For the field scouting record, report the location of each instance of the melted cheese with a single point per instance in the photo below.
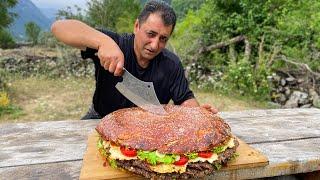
(115, 153)
(231, 144)
(168, 168)
(214, 157)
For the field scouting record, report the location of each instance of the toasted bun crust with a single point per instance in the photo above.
(183, 130)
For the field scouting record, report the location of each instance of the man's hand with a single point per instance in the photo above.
(111, 58)
(210, 108)
(194, 103)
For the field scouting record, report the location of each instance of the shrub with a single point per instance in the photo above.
(6, 40)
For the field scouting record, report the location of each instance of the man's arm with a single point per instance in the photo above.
(78, 34)
(194, 103)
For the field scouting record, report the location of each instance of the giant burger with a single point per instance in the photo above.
(186, 143)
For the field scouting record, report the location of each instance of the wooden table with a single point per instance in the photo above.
(290, 138)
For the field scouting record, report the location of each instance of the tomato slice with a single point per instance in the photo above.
(205, 154)
(182, 161)
(127, 151)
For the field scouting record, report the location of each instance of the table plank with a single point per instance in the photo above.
(289, 138)
(277, 128)
(43, 142)
(294, 164)
(291, 157)
(62, 170)
(269, 113)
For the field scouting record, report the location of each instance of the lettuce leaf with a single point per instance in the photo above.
(152, 158)
(191, 155)
(113, 163)
(219, 149)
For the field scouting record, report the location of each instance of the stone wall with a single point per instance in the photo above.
(295, 89)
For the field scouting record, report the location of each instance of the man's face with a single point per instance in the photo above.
(150, 37)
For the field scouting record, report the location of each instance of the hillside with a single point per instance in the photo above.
(27, 12)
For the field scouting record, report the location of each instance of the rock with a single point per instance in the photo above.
(306, 106)
(300, 80)
(276, 78)
(280, 89)
(283, 82)
(287, 91)
(282, 98)
(297, 98)
(270, 78)
(291, 80)
(315, 98)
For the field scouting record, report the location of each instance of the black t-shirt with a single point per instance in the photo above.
(165, 71)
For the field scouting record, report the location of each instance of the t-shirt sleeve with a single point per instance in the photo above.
(179, 89)
(90, 53)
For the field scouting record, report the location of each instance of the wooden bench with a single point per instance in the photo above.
(290, 138)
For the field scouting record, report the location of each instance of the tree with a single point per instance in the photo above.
(182, 7)
(6, 40)
(113, 14)
(32, 32)
(6, 16)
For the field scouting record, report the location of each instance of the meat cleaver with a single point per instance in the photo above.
(140, 93)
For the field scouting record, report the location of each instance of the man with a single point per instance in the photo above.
(142, 53)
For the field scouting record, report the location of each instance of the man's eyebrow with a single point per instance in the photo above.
(151, 31)
(154, 32)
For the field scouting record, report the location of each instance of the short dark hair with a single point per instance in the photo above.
(165, 11)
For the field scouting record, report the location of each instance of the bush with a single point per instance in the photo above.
(3, 79)
(4, 99)
(47, 39)
(6, 40)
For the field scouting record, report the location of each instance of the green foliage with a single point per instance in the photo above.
(242, 78)
(6, 107)
(32, 32)
(3, 79)
(6, 40)
(113, 14)
(6, 16)
(272, 27)
(47, 39)
(69, 14)
(182, 7)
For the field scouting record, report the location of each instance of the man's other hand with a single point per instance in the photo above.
(210, 108)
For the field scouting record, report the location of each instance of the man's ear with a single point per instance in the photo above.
(136, 26)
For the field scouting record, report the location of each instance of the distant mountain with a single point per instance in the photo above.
(50, 13)
(27, 12)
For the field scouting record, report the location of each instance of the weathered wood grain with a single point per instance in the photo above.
(43, 142)
(62, 170)
(285, 158)
(288, 137)
(270, 113)
(277, 128)
(294, 164)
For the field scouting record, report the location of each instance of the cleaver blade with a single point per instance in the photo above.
(140, 93)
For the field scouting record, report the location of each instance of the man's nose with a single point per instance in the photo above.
(154, 44)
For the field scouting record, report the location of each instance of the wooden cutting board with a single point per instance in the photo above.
(94, 166)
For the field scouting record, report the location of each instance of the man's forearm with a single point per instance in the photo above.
(78, 34)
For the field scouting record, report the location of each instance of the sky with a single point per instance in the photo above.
(59, 3)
